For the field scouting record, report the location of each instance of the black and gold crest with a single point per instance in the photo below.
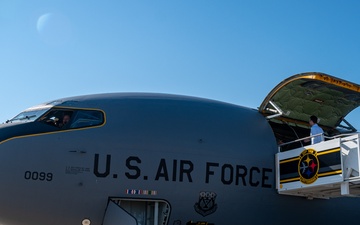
(308, 166)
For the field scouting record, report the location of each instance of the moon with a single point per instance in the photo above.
(43, 21)
(54, 28)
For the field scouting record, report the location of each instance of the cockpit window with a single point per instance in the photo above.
(28, 116)
(72, 118)
(50, 119)
(87, 118)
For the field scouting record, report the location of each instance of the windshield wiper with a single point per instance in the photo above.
(22, 118)
(27, 117)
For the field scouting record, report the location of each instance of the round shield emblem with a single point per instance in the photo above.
(206, 204)
(308, 166)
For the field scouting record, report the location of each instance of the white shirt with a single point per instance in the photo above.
(315, 129)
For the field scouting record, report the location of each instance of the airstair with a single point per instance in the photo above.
(328, 169)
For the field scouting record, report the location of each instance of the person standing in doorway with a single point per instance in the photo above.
(315, 130)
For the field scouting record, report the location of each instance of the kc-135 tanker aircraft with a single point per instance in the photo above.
(160, 159)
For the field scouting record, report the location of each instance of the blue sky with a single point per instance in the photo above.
(232, 51)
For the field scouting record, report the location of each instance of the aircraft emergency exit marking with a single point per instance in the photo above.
(180, 170)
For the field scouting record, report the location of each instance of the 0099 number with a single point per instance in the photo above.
(41, 176)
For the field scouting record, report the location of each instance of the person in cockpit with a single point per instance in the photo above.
(65, 120)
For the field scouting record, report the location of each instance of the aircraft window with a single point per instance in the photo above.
(55, 117)
(74, 118)
(86, 118)
(28, 116)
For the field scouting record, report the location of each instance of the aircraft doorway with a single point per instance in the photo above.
(137, 212)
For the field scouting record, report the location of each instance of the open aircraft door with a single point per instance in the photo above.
(136, 211)
(327, 169)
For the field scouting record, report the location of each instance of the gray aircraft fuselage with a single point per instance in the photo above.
(202, 160)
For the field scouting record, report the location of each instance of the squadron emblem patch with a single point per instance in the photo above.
(308, 167)
(206, 204)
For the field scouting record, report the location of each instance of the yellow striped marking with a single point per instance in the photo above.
(329, 151)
